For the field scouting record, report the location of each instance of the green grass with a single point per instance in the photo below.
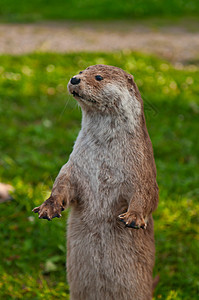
(39, 124)
(22, 11)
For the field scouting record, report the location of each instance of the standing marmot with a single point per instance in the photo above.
(110, 177)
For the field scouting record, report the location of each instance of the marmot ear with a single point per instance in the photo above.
(130, 82)
(130, 78)
(132, 87)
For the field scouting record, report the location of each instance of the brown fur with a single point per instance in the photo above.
(110, 177)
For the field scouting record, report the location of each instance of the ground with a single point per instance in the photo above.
(177, 41)
(39, 124)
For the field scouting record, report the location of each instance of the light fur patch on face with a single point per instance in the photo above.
(127, 103)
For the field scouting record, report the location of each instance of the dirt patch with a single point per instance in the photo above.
(176, 43)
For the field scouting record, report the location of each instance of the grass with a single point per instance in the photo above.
(23, 11)
(39, 123)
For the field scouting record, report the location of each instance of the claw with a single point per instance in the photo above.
(36, 209)
(48, 210)
(57, 216)
(121, 216)
(121, 220)
(132, 225)
(144, 226)
(132, 220)
(45, 217)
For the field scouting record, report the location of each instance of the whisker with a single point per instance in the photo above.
(61, 114)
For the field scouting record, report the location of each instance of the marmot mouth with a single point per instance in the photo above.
(75, 94)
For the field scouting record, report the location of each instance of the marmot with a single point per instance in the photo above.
(110, 177)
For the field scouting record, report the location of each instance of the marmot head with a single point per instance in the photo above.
(105, 89)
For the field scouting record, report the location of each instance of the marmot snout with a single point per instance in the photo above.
(110, 177)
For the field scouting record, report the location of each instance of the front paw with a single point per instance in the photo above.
(49, 209)
(133, 219)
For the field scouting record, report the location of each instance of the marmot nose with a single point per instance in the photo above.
(75, 80)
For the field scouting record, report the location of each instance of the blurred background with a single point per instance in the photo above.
(44, 43)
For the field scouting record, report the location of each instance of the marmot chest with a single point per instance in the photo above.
(101, 164)
(102, 175)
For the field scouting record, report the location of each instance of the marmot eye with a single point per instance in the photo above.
(98, 77)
